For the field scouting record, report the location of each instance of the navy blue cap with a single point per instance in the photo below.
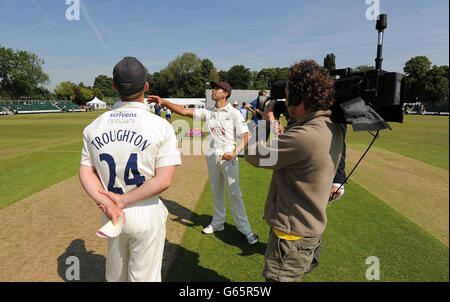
(129, 76)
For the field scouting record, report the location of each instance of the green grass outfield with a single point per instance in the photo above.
(424, 138)
(358, 228)
(37, 151)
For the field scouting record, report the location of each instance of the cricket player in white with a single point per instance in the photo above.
(128, 158)
(223, 166)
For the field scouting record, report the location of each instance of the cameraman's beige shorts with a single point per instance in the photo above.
(288, 260)
(136, 255)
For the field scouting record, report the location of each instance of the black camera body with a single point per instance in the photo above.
(364, 99)
(277, 92)
(383, 91)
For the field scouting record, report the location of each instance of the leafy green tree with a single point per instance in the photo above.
(104, 83)
(20, 72)
(255, 82)
(82, 94)
(416, 70)
(98, 93)
(182, 66)
(78, 98)
(417, 66)
(436, 85)
(195, 84)
(424, 83)
(269, 75)
(329, 62)
(185, 76)
(238, 76)
(41, 93)
(87, 94)
(65, 91)
(209, 72)
(223, 76)
(364, 68)
(173, 79)
(265, 76)
(158, 84)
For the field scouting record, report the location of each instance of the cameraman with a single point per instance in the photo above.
(337, 191)
(256, 106)
(308, 155)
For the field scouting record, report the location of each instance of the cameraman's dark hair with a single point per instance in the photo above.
(310, 84)
(261, 92)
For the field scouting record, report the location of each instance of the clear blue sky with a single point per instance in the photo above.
(253, 33)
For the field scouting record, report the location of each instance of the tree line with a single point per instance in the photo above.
(21, 75)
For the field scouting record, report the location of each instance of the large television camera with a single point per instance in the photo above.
(366, 100)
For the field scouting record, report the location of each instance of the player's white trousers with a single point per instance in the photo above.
(221, 172)
(136, 255)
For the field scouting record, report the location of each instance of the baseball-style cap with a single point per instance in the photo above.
(224, 85)
(129, 76)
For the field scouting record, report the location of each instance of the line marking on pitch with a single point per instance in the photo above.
(58, 151)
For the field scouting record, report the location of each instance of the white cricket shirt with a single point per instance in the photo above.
(127, 144)
(222, 123)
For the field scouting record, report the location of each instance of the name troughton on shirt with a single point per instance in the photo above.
(121, 135)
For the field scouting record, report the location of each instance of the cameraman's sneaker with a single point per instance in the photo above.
(209, 229)
(252, 239)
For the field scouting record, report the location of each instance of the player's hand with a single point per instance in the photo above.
(335, 193)
(268, 111)
(101, 207)
(112, 211)
(277, 128)
(249, 108)
(229, 155)
(117, 199)
(155, 99)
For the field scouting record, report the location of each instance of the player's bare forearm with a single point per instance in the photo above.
(243, 143)
(238, 149)
(179, 109)
(249, 108)
(173, 107)
(92, 184)
(156, 185)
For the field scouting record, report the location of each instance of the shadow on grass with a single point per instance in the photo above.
(79, 265)
(184, 266)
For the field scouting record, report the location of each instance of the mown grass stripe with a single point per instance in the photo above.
(417, 190)
(360, 225)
